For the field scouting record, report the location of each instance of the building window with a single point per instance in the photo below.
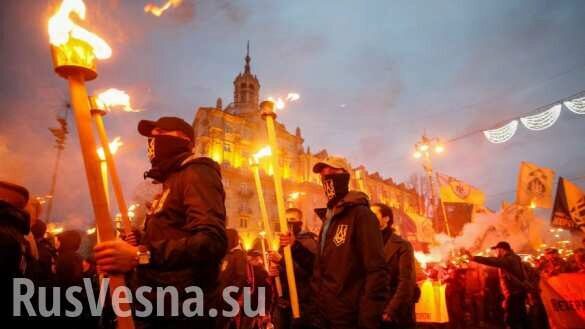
(243, 222)
(227, 147)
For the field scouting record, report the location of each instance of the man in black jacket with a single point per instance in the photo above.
(304, 247)
(512, 282)
(399, 256)
(184, 237)
(350, 277)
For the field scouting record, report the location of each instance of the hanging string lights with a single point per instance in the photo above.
(576, 105)
(539, 121)
(502, 134)
(542, 120)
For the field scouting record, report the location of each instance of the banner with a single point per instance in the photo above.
(534, 186)
(432, 306)
(453, 190)
(404, 224)
(563, 296)
(569, 208)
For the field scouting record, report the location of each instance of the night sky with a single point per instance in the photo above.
(372, 75)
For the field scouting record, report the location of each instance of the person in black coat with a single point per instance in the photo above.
(513, 282)
(399, 255)
(350, 277)
(184, 239)
(304, 249)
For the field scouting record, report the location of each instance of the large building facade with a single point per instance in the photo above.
(232, 134)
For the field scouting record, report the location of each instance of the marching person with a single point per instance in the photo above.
(350, 276)
(184, 239)
(399, 255)
(512, 282)
(14, 226)
(304, 249)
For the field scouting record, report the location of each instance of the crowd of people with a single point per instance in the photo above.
(357, 273)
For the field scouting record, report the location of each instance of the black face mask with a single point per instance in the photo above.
(336, 186)
(295, 228)
(166, 154)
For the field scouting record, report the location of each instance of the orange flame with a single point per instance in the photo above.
(159, 10)
(61, 28)
(264, 152)
(114, 147)
(278, 103)
(295, 196)
(114, 97)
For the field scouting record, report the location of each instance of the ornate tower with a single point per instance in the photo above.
(246, 89)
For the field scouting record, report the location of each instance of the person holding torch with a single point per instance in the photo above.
(350, 277)
(184, 238)
(304, 249)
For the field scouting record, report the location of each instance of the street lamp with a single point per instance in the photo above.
(425, 149)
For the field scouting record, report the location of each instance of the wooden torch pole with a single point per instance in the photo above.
(97, 193)
(116, 185)
(264, 214)
(269, 116)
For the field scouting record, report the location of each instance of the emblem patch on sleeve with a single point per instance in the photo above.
(340, 235)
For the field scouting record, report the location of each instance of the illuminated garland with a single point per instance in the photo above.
(576, 105)
(542, 120)
(502, 134)
(539, 121)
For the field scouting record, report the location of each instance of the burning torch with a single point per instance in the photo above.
(99, 106)
(113, 146)
(269, 117)
(75, 51)
(255, 164)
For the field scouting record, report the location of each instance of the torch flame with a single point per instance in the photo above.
(295, 196)
(264, 152)
(114, 147)
(61, 28)
(279, 103)
(159, 10)
(114, 97)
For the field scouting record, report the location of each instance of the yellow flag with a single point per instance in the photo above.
(569, 209)
(453, 190)
(535, 186)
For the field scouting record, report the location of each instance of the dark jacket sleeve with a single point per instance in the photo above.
(404, 294)
(369, 245)
(203, 199)
(490, 261)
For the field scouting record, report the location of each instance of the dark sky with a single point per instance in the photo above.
(373, 76)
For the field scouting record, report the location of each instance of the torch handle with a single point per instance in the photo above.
(95, 184)
(288, 260)
(99, 123)
(278, 285)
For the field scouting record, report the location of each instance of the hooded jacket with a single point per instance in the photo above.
(185, 228)
(350, 276)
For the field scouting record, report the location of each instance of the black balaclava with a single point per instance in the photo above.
(295, 227)
(336, 187)
(166, 153)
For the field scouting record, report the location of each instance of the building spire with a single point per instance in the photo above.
(247, 67)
